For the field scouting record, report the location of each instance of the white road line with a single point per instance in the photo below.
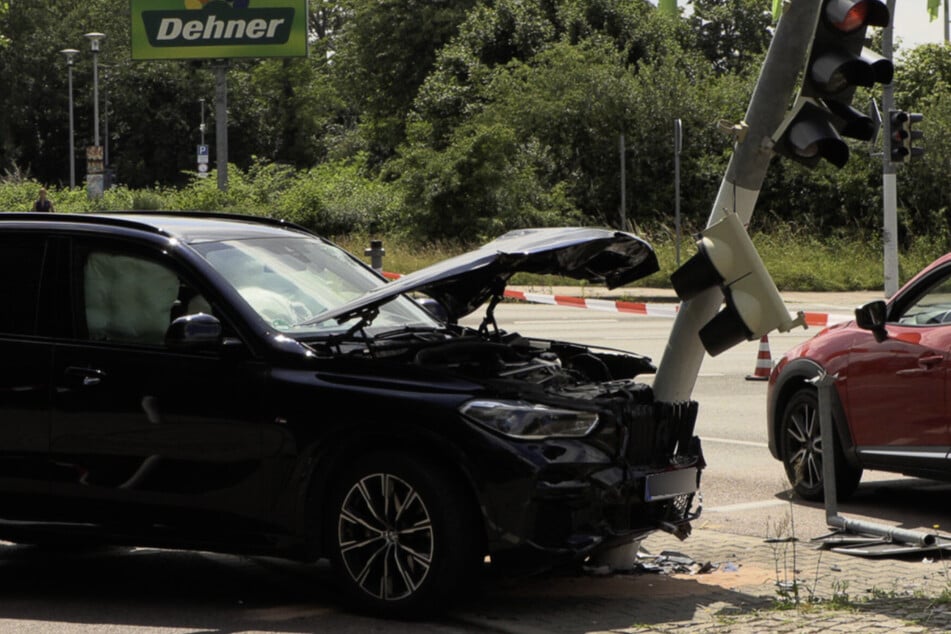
(557, 322)
(728, 441)
(745, 506)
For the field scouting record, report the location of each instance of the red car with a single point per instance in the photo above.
(890, 405)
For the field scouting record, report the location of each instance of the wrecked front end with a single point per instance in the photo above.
(583, 461)
(580, 497)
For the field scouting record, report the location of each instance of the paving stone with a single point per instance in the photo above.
(836, 592)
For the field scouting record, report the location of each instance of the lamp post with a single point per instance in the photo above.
(94, 158)
(70, 53)
(94, 39)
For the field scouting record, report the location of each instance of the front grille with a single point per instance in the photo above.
(658, 431)
(678, 508)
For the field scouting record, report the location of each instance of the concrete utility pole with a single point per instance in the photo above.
(889, 179)
(678, 370)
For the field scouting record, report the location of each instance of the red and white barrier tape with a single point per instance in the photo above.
(635, 308)
(824, 319)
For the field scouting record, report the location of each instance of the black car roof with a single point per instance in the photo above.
(187, 226)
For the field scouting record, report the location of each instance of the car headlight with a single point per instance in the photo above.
(520, 419)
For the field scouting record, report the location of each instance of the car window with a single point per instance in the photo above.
(133, 299)
(20, 292)
(290, 281)
(932, 307)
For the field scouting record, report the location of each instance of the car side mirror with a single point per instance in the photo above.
(194, 331)
(872, 316)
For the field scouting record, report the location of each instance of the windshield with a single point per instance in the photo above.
(289, 281)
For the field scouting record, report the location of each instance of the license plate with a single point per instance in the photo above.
(670, 484)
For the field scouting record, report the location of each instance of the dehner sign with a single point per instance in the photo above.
(193, 29)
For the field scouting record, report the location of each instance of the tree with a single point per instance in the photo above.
(565, 81)
(384, 51)
(732, 34)
(923, 84)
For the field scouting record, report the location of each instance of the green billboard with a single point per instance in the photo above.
(218, 29)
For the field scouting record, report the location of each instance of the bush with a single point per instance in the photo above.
(337, 199)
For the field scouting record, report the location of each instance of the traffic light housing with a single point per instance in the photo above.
(753, 307)
(902, 136)
(808, 135)
(838, 62)
(899, 136)
(914, 135)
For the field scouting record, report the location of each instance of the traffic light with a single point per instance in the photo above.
(902, 136)
(727, 258)
(899, 136)
(807, 136)
(838, 62)
(914, 135)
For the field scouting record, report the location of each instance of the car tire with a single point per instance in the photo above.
(801, 444)
(402, 535)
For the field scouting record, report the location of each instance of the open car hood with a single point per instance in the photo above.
(463, 283)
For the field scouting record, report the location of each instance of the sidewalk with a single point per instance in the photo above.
(750, 589)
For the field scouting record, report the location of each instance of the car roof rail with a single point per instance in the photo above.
(92, 218)
(217, 215)
(111, 218)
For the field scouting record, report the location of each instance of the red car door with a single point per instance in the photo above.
(897, 387)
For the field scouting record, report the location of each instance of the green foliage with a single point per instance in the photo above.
(384, 51)
(923, 192)
(484, 183)
(452, 120)
(18, 195)
(732, 34)
(338, 199)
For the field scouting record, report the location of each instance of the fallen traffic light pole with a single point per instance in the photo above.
(859, 537)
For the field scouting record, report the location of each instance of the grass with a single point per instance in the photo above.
(796, 259)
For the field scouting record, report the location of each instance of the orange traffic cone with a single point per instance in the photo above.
(764, 362)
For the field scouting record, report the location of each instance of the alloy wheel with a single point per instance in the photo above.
(385, 536)
(804, 444)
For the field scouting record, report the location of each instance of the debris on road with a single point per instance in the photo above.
(671, 562)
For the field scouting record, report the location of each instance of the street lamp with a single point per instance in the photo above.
(94, 39)
(70, 53)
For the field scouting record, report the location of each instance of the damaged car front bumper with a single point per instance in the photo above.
(577, 498)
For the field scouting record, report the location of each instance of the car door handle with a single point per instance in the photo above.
(926, 364)
(930, 361)
(87, 377)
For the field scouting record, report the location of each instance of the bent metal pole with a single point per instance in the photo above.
(683, 355)
(824, 385)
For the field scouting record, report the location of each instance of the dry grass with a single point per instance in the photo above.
(797, 260)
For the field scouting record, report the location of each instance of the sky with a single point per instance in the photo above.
(911, 24)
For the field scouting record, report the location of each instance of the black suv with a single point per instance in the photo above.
(239, 384)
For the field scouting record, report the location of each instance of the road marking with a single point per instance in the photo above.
(745, 506)
(548, 322)
(728, 441)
